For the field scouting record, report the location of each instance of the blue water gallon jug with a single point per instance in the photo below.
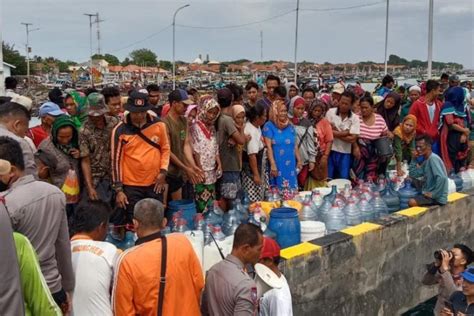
(457, 180)
(367, 212)
(353, 215)
(331, 196)
(336, 219)
(188, 208)
(285, 224)
(406, 192)
(379, 205)
(391, 198)
(128, 241)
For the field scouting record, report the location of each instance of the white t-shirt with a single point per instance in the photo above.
(93, 263)
(255, 144)
(277, 302)
(351, 123)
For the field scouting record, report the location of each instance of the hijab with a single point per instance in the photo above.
(60, 122)
(296, 100)
(391, 116)
(406, 138)
(455, 103)
(207, 105)
(276, 108)
(311, 108)
(81, 107)
(237, 109)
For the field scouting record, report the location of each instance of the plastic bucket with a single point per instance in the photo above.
(188, 207)
(311, 230)
(286, 225)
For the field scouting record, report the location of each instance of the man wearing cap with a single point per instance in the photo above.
(462, 302)
(454, 81)
(229, 290)
(47, 113)
(176, 126)
(336, 94)
(276, 302)
(94, 145)
(140, 156)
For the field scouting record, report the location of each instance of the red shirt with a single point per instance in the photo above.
(424, 125)
(38, 134)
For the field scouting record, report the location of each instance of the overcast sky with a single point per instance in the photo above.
(335, 36)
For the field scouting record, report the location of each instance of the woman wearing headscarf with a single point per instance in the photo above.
(201, 149)
(238, 114)
(323, 138)
(305, 138)
(283, 153)
(76, 106)
(454, 125)
(389, 110)
(404, 141)
(63, 144)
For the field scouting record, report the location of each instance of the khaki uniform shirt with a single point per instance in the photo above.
(229, 290)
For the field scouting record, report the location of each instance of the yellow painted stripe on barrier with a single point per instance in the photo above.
(413, 211)
(361, 229)
(298, 250)
(456, 196)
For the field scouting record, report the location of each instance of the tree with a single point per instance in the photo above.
(165, 64)
(144, 57)
(13, 57)
(111, 59)
(126, 62)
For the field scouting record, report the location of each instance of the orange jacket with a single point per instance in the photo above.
(137, 278)
(134, 161)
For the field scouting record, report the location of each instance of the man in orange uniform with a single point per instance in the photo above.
(158, 271)
(140, 157)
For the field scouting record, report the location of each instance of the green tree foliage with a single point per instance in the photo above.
(144, 57)
(165, 64)
(126, 62)
(415, 63)
(111, 59)
(13, 57)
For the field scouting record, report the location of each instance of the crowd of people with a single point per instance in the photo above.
(104, 157)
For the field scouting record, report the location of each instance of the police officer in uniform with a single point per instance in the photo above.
(229, 289)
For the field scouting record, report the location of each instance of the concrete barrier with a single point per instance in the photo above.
(375, 268)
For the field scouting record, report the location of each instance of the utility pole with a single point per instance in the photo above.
(28, 49)
(296, 40)
(386, 37)
(261, 46)
(174, 48)
(97, 21)
(430, 39)
(90, 43)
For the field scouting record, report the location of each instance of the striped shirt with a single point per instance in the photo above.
(373, 131)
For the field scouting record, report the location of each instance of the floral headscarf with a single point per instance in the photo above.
(207, 105)
(406, 138)
(275, 109)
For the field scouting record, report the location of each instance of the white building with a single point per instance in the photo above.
(7, 69)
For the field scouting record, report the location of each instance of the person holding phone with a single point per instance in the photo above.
(461, 303)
